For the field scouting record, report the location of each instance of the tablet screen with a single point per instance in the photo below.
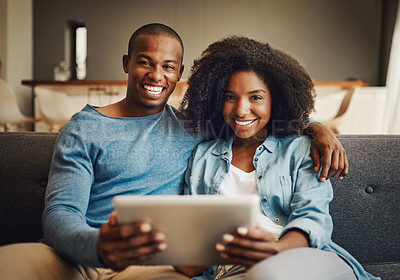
(192, 224)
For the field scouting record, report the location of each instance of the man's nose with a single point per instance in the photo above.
(155, 74)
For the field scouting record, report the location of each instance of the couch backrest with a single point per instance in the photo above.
(366, 204)
(25, 159)
(365, 208)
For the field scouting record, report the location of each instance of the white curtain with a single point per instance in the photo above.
(393, 82)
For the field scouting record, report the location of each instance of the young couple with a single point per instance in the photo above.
(256, 100)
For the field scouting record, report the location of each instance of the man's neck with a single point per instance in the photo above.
(123, 109)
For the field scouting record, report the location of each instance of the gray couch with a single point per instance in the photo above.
(365, 209)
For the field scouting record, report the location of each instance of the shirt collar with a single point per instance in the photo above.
(270, 144)
(224, 148)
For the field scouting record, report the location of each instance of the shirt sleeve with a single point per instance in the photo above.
(311, 120)
(67, 198)
(187, 187)
(310, 204)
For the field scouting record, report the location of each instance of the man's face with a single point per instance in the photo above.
(154, 68)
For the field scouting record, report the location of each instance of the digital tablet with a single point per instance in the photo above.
(192, 224)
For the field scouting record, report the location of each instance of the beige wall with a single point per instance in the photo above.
(3, 37)
(334, 39)
(16, 48)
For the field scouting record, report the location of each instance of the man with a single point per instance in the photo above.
(136, 146)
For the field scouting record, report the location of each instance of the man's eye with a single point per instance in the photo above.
(143, 62)
(169, 67)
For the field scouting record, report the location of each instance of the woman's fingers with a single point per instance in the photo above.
(243, 246)
(255, 233)
(248, 246)
(239, 255)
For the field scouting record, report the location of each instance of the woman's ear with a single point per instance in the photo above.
(125, 63)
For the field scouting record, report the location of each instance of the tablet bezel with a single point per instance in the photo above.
(192, 224)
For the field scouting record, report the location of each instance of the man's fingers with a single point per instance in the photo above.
(138, 253)
(109, 232)
(326, 163)
(138, 241)
(345, 170)
(334, 164)
(134, 229)
(121, 260)
(112, 219)
(316, 160)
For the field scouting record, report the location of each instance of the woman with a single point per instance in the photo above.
(253, 102)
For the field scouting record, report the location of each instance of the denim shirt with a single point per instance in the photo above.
(289, 190)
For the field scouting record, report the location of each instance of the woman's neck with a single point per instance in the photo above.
(254, 141)
(243, 151)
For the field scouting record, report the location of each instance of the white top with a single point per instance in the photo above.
(238, 182)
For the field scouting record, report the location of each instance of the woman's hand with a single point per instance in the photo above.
(325, 145)
(252, 245)
(248, 246)
(122, 245)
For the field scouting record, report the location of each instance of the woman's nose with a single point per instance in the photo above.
(242, 107)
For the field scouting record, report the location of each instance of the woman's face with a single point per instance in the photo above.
(247, 105)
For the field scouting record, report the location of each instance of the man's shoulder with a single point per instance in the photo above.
(87, 112)
(80, 119)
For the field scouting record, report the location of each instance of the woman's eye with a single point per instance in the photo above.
(229, 97)
(256, 97)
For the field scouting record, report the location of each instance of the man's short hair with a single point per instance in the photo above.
(154, 29)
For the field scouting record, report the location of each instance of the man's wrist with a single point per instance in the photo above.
(313, 129)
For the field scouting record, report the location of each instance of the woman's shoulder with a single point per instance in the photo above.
(295, 145)
(294, 140)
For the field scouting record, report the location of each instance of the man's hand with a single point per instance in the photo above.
(325, 145)
(122, 245)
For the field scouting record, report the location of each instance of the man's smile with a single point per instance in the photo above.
(153, 90)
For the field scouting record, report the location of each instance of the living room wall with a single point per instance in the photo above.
(333, 39)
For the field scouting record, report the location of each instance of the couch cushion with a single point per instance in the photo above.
(387, 271)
